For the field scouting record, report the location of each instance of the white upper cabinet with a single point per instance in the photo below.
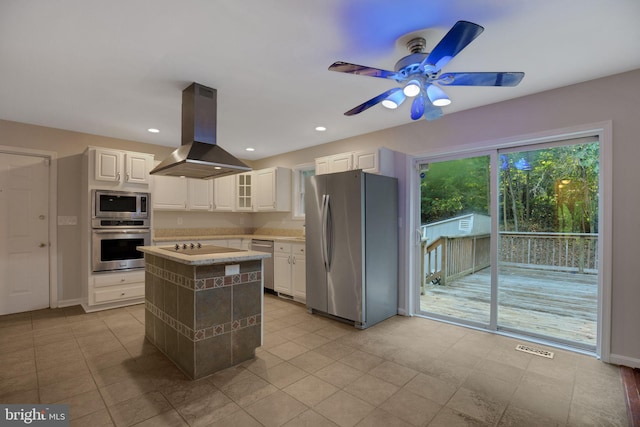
(336, 163)
(121, 167)
(224, 193)
(273, 189)
(244, 192)
(200, 197)
(170, 193)
(379, 161)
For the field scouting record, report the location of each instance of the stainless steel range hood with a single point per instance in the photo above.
(199, 156)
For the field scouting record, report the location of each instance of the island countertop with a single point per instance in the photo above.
(233, 255)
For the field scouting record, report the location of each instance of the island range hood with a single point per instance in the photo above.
(199, 156)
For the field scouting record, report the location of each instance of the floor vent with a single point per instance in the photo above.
(536, 351)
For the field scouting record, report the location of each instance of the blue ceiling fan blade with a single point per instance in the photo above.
(480, 79)
(458, 37)
(373, 101)
(345, 67)
(417, 107)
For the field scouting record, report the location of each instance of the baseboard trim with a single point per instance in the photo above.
(617, 359)
(69, 302)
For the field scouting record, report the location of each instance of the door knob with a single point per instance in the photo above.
(42, 245)
(41, 217)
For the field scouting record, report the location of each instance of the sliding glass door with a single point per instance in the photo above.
(510, 240)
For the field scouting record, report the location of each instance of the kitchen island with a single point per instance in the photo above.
(203, 306)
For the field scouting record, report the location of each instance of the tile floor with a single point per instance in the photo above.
(311, 371)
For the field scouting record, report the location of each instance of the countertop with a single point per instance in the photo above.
(229, 236)
(206, 259)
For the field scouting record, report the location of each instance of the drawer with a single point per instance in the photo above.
(298, 250)
(118, 293)
(282, 247)
(115, 279)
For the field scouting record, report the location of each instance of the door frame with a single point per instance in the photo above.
(604, 132)
(52, 157)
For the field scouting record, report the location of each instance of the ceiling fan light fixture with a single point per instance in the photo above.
(412, 88)
(437, 96)
(394, 100)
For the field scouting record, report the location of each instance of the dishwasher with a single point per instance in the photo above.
(267, 263)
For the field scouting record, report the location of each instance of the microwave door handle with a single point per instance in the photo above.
(119, 231)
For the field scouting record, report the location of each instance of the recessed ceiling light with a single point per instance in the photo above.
(250, 149)
(321, 128)
(153, 130)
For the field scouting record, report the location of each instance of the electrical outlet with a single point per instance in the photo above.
(67, 220)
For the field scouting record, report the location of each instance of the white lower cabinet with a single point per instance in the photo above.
(289, 270)
(116, 287)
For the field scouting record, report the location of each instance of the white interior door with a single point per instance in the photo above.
(24, 233)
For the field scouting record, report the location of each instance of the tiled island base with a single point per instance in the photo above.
(200, 318)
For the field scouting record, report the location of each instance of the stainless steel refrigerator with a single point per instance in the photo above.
(352, 246)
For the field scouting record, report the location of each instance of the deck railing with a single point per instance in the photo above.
(447, 258)
(576, 252)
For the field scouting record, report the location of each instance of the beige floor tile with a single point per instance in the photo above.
(18, 383)
(311, 340)
(500, 370)
(24, 396)
(282, 374)
(510, 356)
(479, 406)
(335, 350)
(61, 372)
(310, 390)
(288, 350)
(311, 361)
(292, 332)
(99, 418)
(339, 374)
(310, 418)
(229, 376)
(332, 331)
(51, 360)
(125, 390)
(62, 390)
(580, 415)
(249, 390)
(84, 404)
(371, 389)
(450, 418)
(344, 409)
(411, 408)
(139, 409)
(276, 409)
(492, 387)
(263, 361)
(170, 418)
(447, 371)
(272, 339)
(361, 360)
(237, 419)
(553, 406)
(184, 391)
(517, 417)
(207, 409)
(431, 388)
(393, 373)
(380, 418)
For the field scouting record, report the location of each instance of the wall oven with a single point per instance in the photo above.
(120, 222)
(115, 249)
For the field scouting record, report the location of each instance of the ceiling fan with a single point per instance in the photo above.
(421, 77)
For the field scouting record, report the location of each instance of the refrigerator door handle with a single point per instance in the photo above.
(329, 234)
(323, 237)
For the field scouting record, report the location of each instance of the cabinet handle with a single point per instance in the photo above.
(289, 259)
(122, 294)
(126, 177)
(118, 176)
(294, 259)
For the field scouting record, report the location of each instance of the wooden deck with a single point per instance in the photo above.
(561, 305)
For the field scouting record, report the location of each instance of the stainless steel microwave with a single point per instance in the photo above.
(120, 204)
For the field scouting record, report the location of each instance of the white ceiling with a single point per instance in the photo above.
(118, 67)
